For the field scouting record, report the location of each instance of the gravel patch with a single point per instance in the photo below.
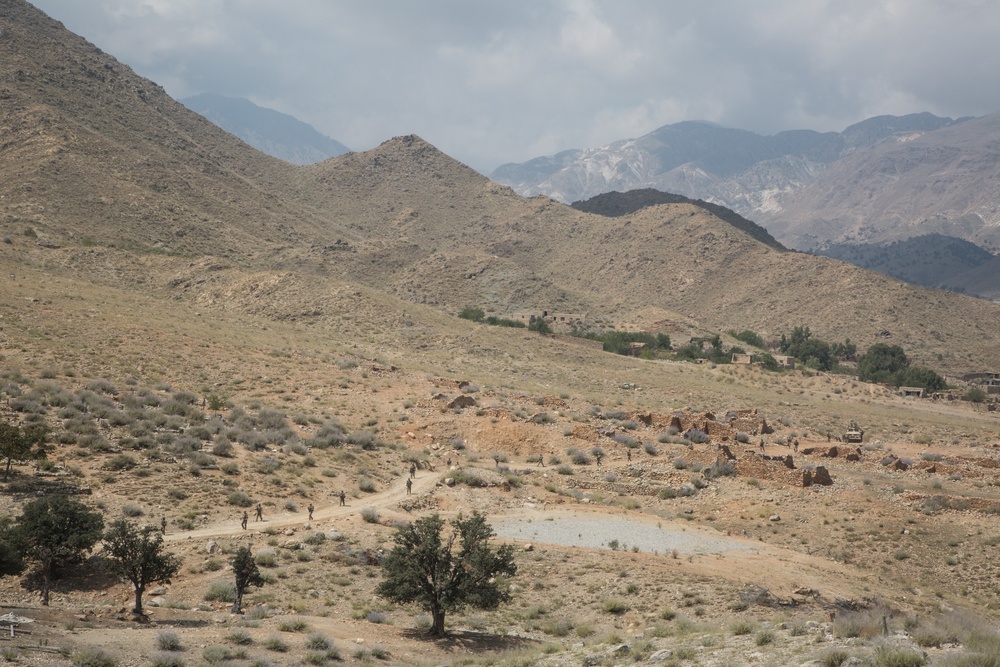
(597, 533)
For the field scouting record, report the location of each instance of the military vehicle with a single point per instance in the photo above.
(854, 433)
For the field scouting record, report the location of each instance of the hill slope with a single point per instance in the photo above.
(141, 193)
(277, 134)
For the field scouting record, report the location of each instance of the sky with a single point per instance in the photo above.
(495, 81)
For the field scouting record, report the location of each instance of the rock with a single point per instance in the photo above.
(688, 510)
(334, 535)
(662, 655)
(592, 660)
(313, 593)
(289, 532)
(212, 547)
(529, 547)
(155, 602)
(822, 476)
(159, 590)
(449, 481)
(621, 649)
(774, 517)
(463, 401)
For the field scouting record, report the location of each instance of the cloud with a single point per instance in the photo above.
(490, 82)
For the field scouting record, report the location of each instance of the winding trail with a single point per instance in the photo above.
(395, 492)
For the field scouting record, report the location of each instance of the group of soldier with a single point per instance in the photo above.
(259, 510)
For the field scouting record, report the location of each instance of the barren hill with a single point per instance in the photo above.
(104, 165)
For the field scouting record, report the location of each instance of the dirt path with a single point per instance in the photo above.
(423, 482)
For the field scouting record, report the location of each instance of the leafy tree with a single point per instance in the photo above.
(918, 376)
(846, 350)
(813, 352)
(472, 313)
(541, 326)
(247, 575)
(57, 531)
(768, 361)
(444, 573)
(882, 363)
(975, 395)
(749, 337)
(10, 548)
(21, 444)
(137, 554)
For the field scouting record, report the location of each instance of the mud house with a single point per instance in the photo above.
(552, 317)
(911, 392)
(742, 359)
(784, 361)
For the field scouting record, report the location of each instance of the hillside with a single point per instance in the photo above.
(203, 328)
(277, 134)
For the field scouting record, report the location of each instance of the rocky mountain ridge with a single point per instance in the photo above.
(885, 178)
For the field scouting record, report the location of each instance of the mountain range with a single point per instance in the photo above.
(272, 132)
(884, 179)
(110, 182)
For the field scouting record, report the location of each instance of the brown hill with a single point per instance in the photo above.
(97, 157)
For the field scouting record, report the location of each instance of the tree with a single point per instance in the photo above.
(10, 548)
(247, 575)
(472, 313)
(137, 555)
(881, 363)
(444, 573)
(918, 376)
(21, 444)
(540, 326)
(57, 531)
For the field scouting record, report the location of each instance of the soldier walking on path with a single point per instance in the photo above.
(343, 498)
(260, 513)
(163, 525)
(310, 508)
(413, 470)
(243, 522)
(409, 486)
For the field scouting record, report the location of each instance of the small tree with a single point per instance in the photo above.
(10, 548)
(137, 554)
(21, 444)
(444, 573)
(247, 575)
(55, 532)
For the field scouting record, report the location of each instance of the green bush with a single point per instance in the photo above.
(221, 591)
(239, 499)
(168, 641)
(93, 657)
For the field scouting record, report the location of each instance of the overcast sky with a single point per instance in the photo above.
(496, 81)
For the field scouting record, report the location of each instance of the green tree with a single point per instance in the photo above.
(247, 575)
(472, 313)
(56, 531)
(21, 444)
(918, 376)
(540, 326)
(137, 555)
(975, 395)
(446, 572)
(882, 363)
(10, 548)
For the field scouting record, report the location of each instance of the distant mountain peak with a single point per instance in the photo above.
(269, 131)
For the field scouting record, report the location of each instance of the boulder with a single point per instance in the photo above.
(212, 547)
(822, 476)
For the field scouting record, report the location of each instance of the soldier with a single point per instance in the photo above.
(343, 498)
(310, 508)
(409, 486)
(260, 513)
(243, 522)
(628, 453)
(413, 470)
(163, 525)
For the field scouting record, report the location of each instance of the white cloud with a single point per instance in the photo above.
(490, 82)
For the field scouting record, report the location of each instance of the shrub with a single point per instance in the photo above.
(239, 499)
(164, 659)
(132, 510)
(266, 558)
(240, 637)
(612, 606)
(317, 641)
(697, 436)
(276, 643)
(887, 656)
(764, 637)
(835, 658)
(367, 484)
(120, 462)
(651, 449)
(369, 515)
(292, 625)
(221, 591)
(93, 657)
(168, 641)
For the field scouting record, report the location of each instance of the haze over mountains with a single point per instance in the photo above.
(272, 132)
(883, 179)
(108, 180)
